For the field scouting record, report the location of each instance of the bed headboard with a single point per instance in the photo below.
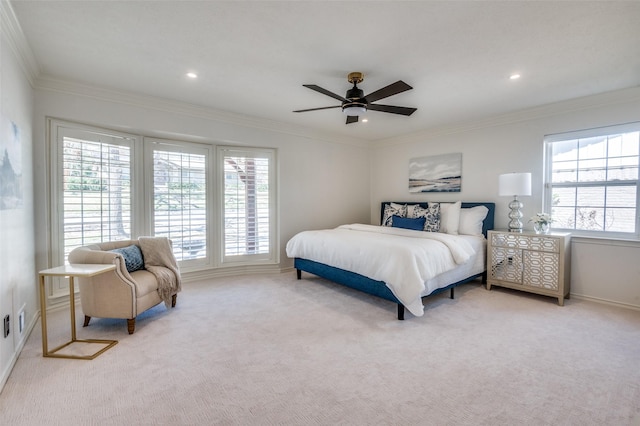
(487, 224)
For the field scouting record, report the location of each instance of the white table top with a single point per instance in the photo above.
(78, 270)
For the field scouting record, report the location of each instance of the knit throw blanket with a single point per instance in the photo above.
(160, 261)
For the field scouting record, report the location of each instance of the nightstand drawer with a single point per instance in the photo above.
(527, 242)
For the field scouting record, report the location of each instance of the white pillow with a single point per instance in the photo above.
(450, 217)
(471, 220)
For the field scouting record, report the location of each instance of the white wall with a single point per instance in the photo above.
(606, 271)
(18, 280)
(322, 182)
(514, 143)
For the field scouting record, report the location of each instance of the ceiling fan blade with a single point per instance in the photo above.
(392, 89)
(324, 91)
(352, 119)
(392, 109)
(316, 109)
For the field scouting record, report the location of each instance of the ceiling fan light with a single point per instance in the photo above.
(354, 109)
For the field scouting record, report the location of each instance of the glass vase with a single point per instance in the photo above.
(541, 228)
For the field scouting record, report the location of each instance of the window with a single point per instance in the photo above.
(93, 188)
(592, 180)
(180, 197)
(108, 186)
(248, 197)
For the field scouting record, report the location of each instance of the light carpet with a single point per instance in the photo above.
(272, 350)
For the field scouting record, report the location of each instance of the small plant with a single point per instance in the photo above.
(541, 218)
(541, 223)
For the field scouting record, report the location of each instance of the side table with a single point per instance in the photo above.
(537, 263)
(70, 271)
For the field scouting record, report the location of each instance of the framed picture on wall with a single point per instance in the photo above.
(10, 165)
(437, 173)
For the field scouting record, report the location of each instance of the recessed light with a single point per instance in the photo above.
(514, 76)
(192, 75)
(364, 120)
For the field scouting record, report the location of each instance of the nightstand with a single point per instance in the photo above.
(536, 263)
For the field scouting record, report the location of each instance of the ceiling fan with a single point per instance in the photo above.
(355, 103)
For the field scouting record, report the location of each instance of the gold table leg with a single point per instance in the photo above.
(43, 316)
(72, 308)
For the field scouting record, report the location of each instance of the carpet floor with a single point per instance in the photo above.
(272, 350)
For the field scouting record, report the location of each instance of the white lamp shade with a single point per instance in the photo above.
(514, 184)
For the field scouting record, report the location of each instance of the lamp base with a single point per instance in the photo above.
(515, 225)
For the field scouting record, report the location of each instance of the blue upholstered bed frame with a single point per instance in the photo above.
(379, 288)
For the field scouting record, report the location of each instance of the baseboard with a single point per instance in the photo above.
(18, 350)
(233, 271)
(605, 301)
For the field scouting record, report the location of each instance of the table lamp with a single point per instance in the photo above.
(515, 185)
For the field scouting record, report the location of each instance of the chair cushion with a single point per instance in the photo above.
(132, 257)
(146, 283)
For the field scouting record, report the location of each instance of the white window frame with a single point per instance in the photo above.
(273, 256)
(141, 173)
(150, 145)
(58, 131)
(549, 140)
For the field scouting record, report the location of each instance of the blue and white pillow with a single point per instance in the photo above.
(431, 215)
(132, 255)
(393, 209)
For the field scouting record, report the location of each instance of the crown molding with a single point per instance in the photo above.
(12, 32)
(622, 96)
(47, 83)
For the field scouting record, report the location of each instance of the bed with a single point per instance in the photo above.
(398, 274)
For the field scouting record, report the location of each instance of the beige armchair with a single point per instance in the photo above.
(118, 293)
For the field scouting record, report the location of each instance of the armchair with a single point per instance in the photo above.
(118, 293)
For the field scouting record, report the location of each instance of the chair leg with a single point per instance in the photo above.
(86, 320)
(131, 325)
(173, 300)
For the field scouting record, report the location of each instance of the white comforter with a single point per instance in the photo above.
(402, 258)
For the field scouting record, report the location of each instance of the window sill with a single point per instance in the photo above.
(610, 241)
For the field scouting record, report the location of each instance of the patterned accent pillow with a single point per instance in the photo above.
(393, 209)
(431, 215)
(132, 255)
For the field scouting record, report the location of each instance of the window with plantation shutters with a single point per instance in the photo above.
(592, 181)
(180, 198)
(248, 199)
(216, 204)
(94, 188)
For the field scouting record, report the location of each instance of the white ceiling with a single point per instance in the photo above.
(252, 57)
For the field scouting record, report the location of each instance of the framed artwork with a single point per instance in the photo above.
(10, 166)
(438, 173)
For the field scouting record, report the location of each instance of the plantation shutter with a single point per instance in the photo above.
(247, 198)
(180, 200)
(96, 190)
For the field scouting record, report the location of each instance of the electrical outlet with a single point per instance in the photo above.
(21, 322)
(7, 326)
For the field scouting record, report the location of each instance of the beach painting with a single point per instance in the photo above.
(438, 173)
